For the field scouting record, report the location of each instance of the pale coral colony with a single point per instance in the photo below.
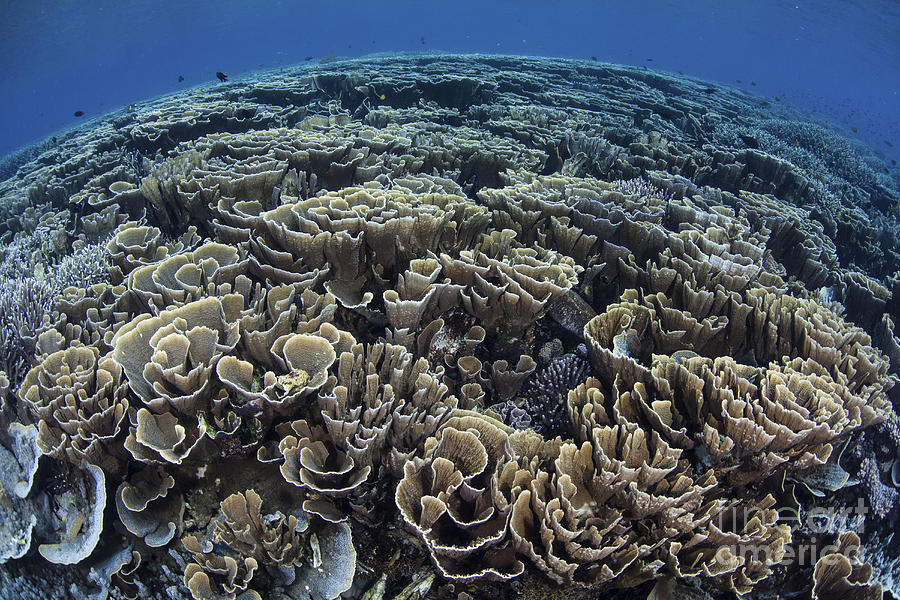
(448, 327)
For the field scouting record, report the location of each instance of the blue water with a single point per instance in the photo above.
(838, 59)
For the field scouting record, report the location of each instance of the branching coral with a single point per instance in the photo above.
(23, 304)
(545, 396)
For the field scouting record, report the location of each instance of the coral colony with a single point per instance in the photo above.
(448, 327)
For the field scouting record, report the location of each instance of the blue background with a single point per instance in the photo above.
(838, 58)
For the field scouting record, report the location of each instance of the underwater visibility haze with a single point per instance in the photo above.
(406, 300)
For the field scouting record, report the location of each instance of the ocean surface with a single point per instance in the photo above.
(837, 59)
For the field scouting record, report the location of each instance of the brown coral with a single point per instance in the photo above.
(303, 361)
(509, 285)
(619, 507)
(375, 412)
(841, 574)
(168, 359)
(149, 507)
(451, 499)
(79, 402)
(210, 270)
(822, 378)
(314, 555)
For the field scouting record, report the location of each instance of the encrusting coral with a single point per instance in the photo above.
(379, 329)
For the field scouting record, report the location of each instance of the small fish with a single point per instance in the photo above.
(777, 99)
(649, 60)
(222, 76)
(894, 161)
(856, 130)
(422, 38)
(308, 58)
(710, 90)
(750, 141)
(593, 57)
(737, 80)
(78, 113)
(180, 78)
(382, 97)
(752, 83)
(889, 145)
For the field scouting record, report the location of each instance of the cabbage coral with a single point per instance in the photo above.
(318, 300)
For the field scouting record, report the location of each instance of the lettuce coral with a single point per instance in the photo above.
(303, 315)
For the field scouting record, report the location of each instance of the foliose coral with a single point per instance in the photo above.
(276, 322)
(311, 554)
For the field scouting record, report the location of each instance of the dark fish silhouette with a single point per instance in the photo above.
(750, 141)
(422, 38)
(79, 113)
(309, 58)
(180, 79)
(222, 76)
(890, 145)
(593, 57)
(710, 90)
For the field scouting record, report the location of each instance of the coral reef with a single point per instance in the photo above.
(545, 399)
(446, 327)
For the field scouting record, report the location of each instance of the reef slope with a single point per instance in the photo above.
(450, 327)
